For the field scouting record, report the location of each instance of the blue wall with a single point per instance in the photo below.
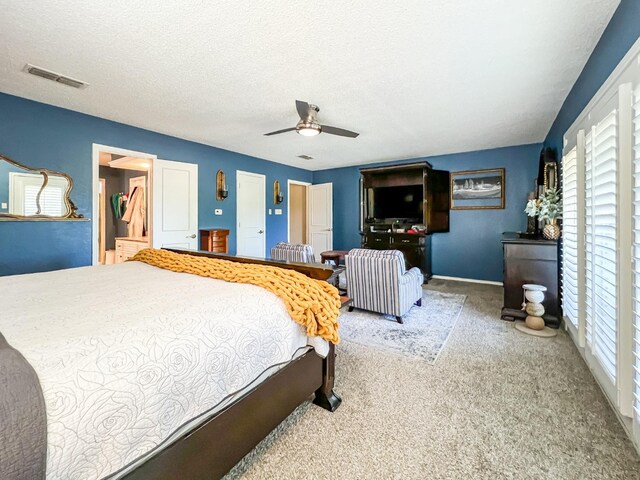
(621, 33)
(472, 248)
(40, 135)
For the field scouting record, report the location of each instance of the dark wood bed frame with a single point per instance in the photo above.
(210, 450)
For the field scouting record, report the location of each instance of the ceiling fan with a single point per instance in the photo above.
(308, 126)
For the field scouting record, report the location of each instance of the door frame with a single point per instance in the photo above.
(95, 181)
(264, 213)
(102, 225)
(289, 183)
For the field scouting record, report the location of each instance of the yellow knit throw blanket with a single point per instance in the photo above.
(314, 304)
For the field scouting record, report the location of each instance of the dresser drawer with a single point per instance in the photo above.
(215, 240)
(126, 249)
(531, 252)
(408, 240)
(376, 241)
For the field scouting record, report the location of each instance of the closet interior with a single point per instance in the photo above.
(124, 214)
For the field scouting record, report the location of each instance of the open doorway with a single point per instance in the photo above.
(122, 217)
(297, 208)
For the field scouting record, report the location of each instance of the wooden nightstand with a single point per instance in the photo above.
(214, 240)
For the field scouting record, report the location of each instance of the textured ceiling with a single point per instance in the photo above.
(414, 78)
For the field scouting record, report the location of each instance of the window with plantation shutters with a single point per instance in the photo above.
(636, 253)
(605, 322)
(570, 237)
(604, 258)
(24, 189)
(51, 202)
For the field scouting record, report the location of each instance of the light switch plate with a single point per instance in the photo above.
(278, 211)
(218, 211)
(269, 211)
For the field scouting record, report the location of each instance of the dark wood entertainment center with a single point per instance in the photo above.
(380, 188)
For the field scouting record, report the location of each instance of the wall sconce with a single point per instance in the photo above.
(222, 191)
(278, 198)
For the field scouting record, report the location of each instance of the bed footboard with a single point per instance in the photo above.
(211, 450)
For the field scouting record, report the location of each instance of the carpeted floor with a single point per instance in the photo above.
(497, 404)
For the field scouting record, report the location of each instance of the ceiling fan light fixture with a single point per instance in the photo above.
(308, 129)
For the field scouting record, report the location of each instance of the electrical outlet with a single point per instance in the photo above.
(278, 211)
(4, 206)
(217, 211)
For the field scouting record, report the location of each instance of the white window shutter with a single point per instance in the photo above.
(24, 188)
(588, 238)
(604, 205)
(636, 254)
(570, 298)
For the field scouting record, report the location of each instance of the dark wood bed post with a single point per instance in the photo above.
(325, 396)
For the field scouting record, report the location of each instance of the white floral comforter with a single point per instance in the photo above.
(126, 354)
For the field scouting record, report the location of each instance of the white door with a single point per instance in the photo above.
(320, 231)
(251, 220)
(175, 205)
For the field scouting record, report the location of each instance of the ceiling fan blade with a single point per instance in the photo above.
(339, 131)
(303, 109)
(279, 131)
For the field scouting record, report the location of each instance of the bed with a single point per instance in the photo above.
(148, 373)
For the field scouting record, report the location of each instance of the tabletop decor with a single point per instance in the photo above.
(547, 208)
(532, 304)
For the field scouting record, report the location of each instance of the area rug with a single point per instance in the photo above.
(422, 335)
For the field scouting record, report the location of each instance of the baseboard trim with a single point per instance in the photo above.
(469, 280)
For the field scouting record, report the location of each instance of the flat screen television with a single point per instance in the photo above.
(404, 202)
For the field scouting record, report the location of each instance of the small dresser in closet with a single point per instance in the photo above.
(214, 240)
(127, 247)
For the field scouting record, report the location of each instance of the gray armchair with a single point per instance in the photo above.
(293, 252)
(377, 280)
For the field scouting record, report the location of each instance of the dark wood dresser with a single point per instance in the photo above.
(416, 247)
(214, 240)
(530, 260)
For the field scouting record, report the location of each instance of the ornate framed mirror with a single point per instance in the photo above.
(34, 193)
(550, 175)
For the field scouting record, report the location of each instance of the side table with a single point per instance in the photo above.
(333, 255)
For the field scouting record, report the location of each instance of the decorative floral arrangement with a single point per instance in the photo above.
(532, 208)
(547, 207)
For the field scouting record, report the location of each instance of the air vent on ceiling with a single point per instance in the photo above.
(53, 76)
(305, 157)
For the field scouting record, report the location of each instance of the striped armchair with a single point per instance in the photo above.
(377, 280)
(293, 252)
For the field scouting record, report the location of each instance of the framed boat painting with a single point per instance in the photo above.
(477, 189)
